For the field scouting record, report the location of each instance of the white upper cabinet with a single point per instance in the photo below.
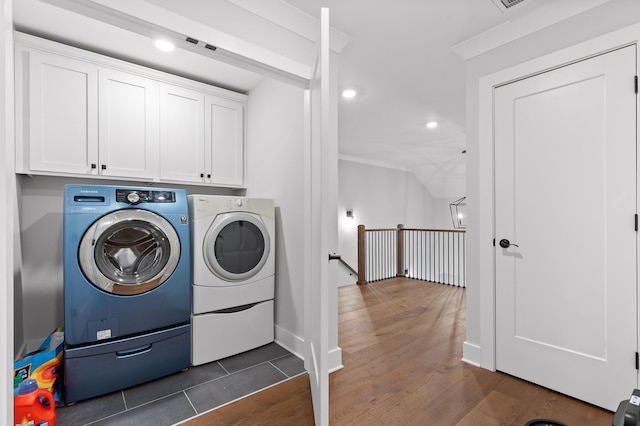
(201, 137)
(57, 114)
(224, 136)
(128, 122)
(181, 134)
(80, 119)
(84, 114)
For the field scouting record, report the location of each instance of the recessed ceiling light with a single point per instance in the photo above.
(164, 45)
(432, 124)
(349, 93)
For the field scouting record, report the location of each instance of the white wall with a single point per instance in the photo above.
(442, 213)
(275, 149)
(604, 19)
(41, 234)
(383, 198)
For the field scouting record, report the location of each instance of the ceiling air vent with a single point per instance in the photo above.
(509, 3)
(503, 5)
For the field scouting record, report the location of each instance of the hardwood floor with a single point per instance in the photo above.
(402, 344)
(288, 403)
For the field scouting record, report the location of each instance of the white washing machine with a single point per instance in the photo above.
(233, 255)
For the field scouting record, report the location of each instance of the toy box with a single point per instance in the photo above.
(44, 364)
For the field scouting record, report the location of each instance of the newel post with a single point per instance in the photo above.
(400, 251)
(362, 279)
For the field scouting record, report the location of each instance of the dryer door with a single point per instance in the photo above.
(236, 246)
(129, 252)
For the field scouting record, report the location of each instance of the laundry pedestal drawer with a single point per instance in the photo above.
(220, 334)
(106, 367)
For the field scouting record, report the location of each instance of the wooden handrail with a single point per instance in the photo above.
(434, 230)
(414, 229)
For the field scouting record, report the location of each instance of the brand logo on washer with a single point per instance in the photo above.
(184, 220)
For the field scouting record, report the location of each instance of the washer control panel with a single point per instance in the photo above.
(133, 196)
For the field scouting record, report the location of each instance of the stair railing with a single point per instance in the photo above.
(435, 255)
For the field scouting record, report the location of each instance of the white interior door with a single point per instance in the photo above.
(565, 194)
(320, 212)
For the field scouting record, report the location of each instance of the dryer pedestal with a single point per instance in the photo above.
(107, 367)
(220, 334)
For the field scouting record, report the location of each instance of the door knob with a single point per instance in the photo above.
(504, 243)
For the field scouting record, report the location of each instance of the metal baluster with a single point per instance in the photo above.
(386, 254)
(464, 260)
(367, 259)
(394, 250)
(456, 264)
(375, 264)
(449, 257)
(422, 256)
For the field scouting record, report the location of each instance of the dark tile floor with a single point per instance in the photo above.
(183, 395)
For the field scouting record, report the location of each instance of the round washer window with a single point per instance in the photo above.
(129, 252)
(237, 246)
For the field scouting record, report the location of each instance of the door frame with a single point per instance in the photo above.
(479, 347)
(320, 203)
(8, 210)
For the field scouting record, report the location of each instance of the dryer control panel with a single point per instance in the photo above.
(132, 196)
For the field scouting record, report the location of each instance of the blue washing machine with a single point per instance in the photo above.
(127, 287)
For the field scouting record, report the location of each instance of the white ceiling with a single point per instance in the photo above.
(397, 54)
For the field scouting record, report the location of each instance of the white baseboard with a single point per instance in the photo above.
(295, 345)
(290, 341)
(335, 359)
(471, 354)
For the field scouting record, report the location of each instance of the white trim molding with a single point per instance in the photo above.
(471, 354)
(293, 19)
(7, 216)
(160, 21)
(295, 345)
(545, 15)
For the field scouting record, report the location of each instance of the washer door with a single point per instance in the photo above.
(129, 252)
(236, 246)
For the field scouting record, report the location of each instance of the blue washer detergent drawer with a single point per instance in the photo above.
(99, 369)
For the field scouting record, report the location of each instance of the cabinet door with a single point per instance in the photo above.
(224, 136)
(61, 130)
(181, 134)
(128, 121)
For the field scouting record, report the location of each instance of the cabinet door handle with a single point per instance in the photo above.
(93, 165)
(209, 176)
(201, 175)
(103, 167)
